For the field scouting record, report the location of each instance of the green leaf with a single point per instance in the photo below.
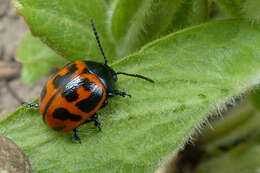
(255, 98)
(234, 144)
(196, 71)
(32, 50)
(37, 58)
(137, 22)
(34, 71)
(232, 7)
(241, 8)
(251, 10)
(239, 125)
(242, 158)
(65, 26)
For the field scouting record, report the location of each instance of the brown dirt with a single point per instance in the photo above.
(12, 29)
(12, 159)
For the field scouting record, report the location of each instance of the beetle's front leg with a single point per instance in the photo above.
(120, 93)
(95, 120)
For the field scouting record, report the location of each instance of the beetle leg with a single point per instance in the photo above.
(96, 121)
(32, 105)
(120, 93)
(76, 136)
(104, 104)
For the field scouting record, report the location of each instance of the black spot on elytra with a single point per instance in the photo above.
(60, 81)
(59, 128)
(85, 71)
(72, 68)
(70, 89)
(63, 114)
(48, 105)
(88, 104)
(70, 95)
(43, 93)
(57, 80)
(87, 85)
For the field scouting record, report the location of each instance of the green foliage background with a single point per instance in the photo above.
(198, 64)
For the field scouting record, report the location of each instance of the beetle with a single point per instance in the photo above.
(73, 96)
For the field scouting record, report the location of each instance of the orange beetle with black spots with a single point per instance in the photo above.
(73, 96)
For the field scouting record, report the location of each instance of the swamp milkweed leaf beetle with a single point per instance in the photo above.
(73, 96)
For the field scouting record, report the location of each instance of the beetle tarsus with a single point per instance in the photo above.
(32, 105)
(120, 93)
(95, 120)
(76, 136)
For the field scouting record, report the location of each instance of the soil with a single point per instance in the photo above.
(12, 29)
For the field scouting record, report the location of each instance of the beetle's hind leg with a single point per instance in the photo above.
(76, 135)
(32, 105)
(120, 93)
(95, 120)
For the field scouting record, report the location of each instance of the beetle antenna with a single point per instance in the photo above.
(136, 75)
(98, 41)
